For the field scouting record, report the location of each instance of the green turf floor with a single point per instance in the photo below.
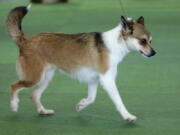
(150, 87)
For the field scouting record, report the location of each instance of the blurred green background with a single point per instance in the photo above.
(150, 87)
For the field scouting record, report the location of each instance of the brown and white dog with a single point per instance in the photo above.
(89, 57)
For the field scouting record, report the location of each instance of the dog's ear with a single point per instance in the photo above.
(127, 26)
(124, 22)
(140, 20)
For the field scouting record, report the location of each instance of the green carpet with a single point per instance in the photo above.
(150, 87)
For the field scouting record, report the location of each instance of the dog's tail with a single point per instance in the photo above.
(13, 22)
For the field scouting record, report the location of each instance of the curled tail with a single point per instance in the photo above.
(14, 20)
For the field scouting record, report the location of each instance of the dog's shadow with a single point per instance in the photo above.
(90, 123)
(97, 121)
(86, 121)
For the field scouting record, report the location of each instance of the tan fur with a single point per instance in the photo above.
(147, 48)
(139, 31)
(67, 52)
(13, 24)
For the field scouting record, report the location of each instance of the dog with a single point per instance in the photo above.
(89, 57)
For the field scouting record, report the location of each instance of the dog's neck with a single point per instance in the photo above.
(115, 43)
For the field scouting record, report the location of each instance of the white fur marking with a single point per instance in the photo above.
(116, 45)
(92, 91)
(40, 88)
(85, 75)
(133, 44)
(129, 19)
(14, 105)
(15, 101)
(29, 6)
(19, 70)
(109, 85)
(118, 50)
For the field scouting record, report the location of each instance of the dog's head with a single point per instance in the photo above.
(136, 36)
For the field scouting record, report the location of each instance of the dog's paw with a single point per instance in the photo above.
(46, 112)
(130, 118)
(14, 105)
(82, 105)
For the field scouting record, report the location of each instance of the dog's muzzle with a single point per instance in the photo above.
(150, 54)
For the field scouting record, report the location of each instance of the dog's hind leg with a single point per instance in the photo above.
(30, 70)
(40, 88)
(92, 91)
(16, 88)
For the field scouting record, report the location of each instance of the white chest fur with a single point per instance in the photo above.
(116, 45)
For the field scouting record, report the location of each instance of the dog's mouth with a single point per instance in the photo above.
(152, 53)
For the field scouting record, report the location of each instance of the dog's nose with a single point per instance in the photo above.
(152, 52)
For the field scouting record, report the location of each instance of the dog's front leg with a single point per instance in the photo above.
(109, 85)
(92, 91)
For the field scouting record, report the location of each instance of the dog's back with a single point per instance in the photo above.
(69, 51)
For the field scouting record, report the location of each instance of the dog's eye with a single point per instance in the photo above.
(143, 41)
